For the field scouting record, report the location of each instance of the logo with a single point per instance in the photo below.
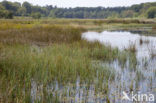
(138, 97)
(125, 97)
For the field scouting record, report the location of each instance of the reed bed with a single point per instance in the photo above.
(41, 34)
(21, 64)
(45, 53)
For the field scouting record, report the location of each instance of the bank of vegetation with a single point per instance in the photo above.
(10, 9)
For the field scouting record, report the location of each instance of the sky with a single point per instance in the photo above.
(85, 3)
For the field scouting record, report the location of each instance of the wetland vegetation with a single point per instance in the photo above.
(49, 61)
(48, 57)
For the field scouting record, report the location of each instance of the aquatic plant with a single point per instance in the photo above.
(141, 41)
(152, 52)
(132, 48)
(20, 64)
(50, 51)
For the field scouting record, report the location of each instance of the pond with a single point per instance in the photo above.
(126, 79)
(141, 79)
(145, 45)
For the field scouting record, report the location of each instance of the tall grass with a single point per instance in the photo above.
(65, 63)
(41, 34)
(45, 53)
(21, 64)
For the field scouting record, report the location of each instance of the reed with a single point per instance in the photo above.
(20, 64)
(44, 34)
(48, 51)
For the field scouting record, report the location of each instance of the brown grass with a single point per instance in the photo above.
(45, 34)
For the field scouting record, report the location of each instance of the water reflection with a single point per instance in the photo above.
(142, 79)
(145, 45)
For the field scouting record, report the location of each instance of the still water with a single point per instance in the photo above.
(139, 80)
(146, 62)
(123, 40)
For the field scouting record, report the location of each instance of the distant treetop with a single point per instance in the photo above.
(9, 9)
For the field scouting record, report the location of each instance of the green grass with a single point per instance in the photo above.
(20, 64)
(46, 51)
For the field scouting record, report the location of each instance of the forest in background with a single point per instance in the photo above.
(10, 9)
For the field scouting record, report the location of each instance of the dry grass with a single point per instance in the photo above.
(46, 34)
(154, 27)
(132, 48)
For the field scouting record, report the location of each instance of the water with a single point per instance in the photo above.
(143, 79)
(123, 40)
(140, 80)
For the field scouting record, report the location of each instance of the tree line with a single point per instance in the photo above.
(9, 9)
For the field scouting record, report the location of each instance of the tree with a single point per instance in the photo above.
(21, 11)
(2, 7)
(36, 15)
(16, 6)
(1, 14)
(136, 8)
(12, 7)
(52, 14)
(127, 14)
(28, 7)
(6, 14)
(151, 12)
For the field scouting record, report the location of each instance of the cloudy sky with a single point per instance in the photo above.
(85, 3)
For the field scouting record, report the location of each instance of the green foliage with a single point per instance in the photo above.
(36, 15)
(12, 7)
(27, 9)
(128, 14)
(151, 13)
(1, 7)
(6, 14)
(52, 14)
(22, 11)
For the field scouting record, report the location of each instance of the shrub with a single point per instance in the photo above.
(151, 13)
(6, 14)
(36, 15)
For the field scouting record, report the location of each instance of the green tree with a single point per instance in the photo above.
(6, 14)
(127, 14)
(22, 11)
(1, 14)
(13, 7)
(36, 15)
(52, 14)
(28, 7)
(1, 7)
(151, 12)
